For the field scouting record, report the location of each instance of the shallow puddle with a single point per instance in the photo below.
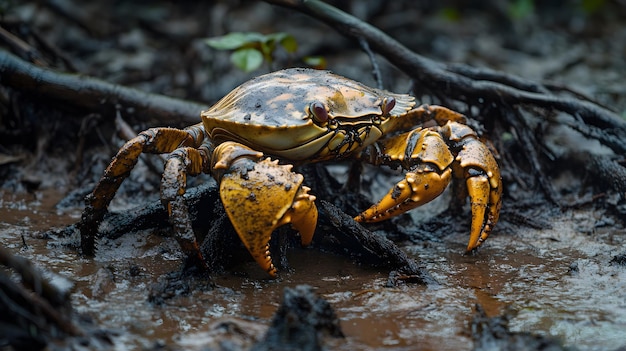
(556, 281)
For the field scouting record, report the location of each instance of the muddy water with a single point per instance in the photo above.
(556, 282)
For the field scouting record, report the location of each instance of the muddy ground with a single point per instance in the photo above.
(552, 269)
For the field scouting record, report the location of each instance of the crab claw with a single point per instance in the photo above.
(484, 213)
(484, 187)
(432, 158)
(416, 189)
(260, 196)
(429, 158)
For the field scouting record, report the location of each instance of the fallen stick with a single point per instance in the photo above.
(95, 95)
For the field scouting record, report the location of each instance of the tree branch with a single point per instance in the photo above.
(95, 95)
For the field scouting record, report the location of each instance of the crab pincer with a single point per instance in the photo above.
(260, 195)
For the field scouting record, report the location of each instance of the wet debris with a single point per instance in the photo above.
(36, 311)
(363, 245)
(619, 260)
(573, 268)
(608, 172)
(301, 322)
(179, 283)
(398, 278)
(225, 334)
(492, 333)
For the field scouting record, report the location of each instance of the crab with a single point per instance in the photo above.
(250, 140)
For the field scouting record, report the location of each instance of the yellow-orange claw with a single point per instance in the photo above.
(484, 187)
(413, 191)
(260, 196)
(485, 192)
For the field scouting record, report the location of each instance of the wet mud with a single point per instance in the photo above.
(564, 282)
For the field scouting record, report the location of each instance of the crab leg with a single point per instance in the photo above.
(416, 189)
(155, 140)
(259, 195)
(420, 115)
(183, 161)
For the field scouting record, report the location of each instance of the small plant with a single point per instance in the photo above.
(251, 49)
(521, 9)
(592, 6)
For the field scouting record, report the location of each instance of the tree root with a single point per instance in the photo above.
(93, 94)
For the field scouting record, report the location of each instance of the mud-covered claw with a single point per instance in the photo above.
(260, 196)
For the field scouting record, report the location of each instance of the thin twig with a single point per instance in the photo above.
(527, 138)
(21, 47)
(375, 68)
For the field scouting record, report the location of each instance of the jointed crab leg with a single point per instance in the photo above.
(155, 140)
(183, 161)
(420, 115)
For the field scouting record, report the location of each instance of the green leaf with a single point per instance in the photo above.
(318, 62)
(286, 40)
(289, 43)
(592, 6)
(234, 40)
(267, 48)
(251, 48)
(247, 59)
(277, 37)
(520, 9)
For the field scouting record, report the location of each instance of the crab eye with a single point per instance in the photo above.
(388, 104)
(319, 112)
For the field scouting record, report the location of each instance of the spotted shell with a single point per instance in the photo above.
(270, 113)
